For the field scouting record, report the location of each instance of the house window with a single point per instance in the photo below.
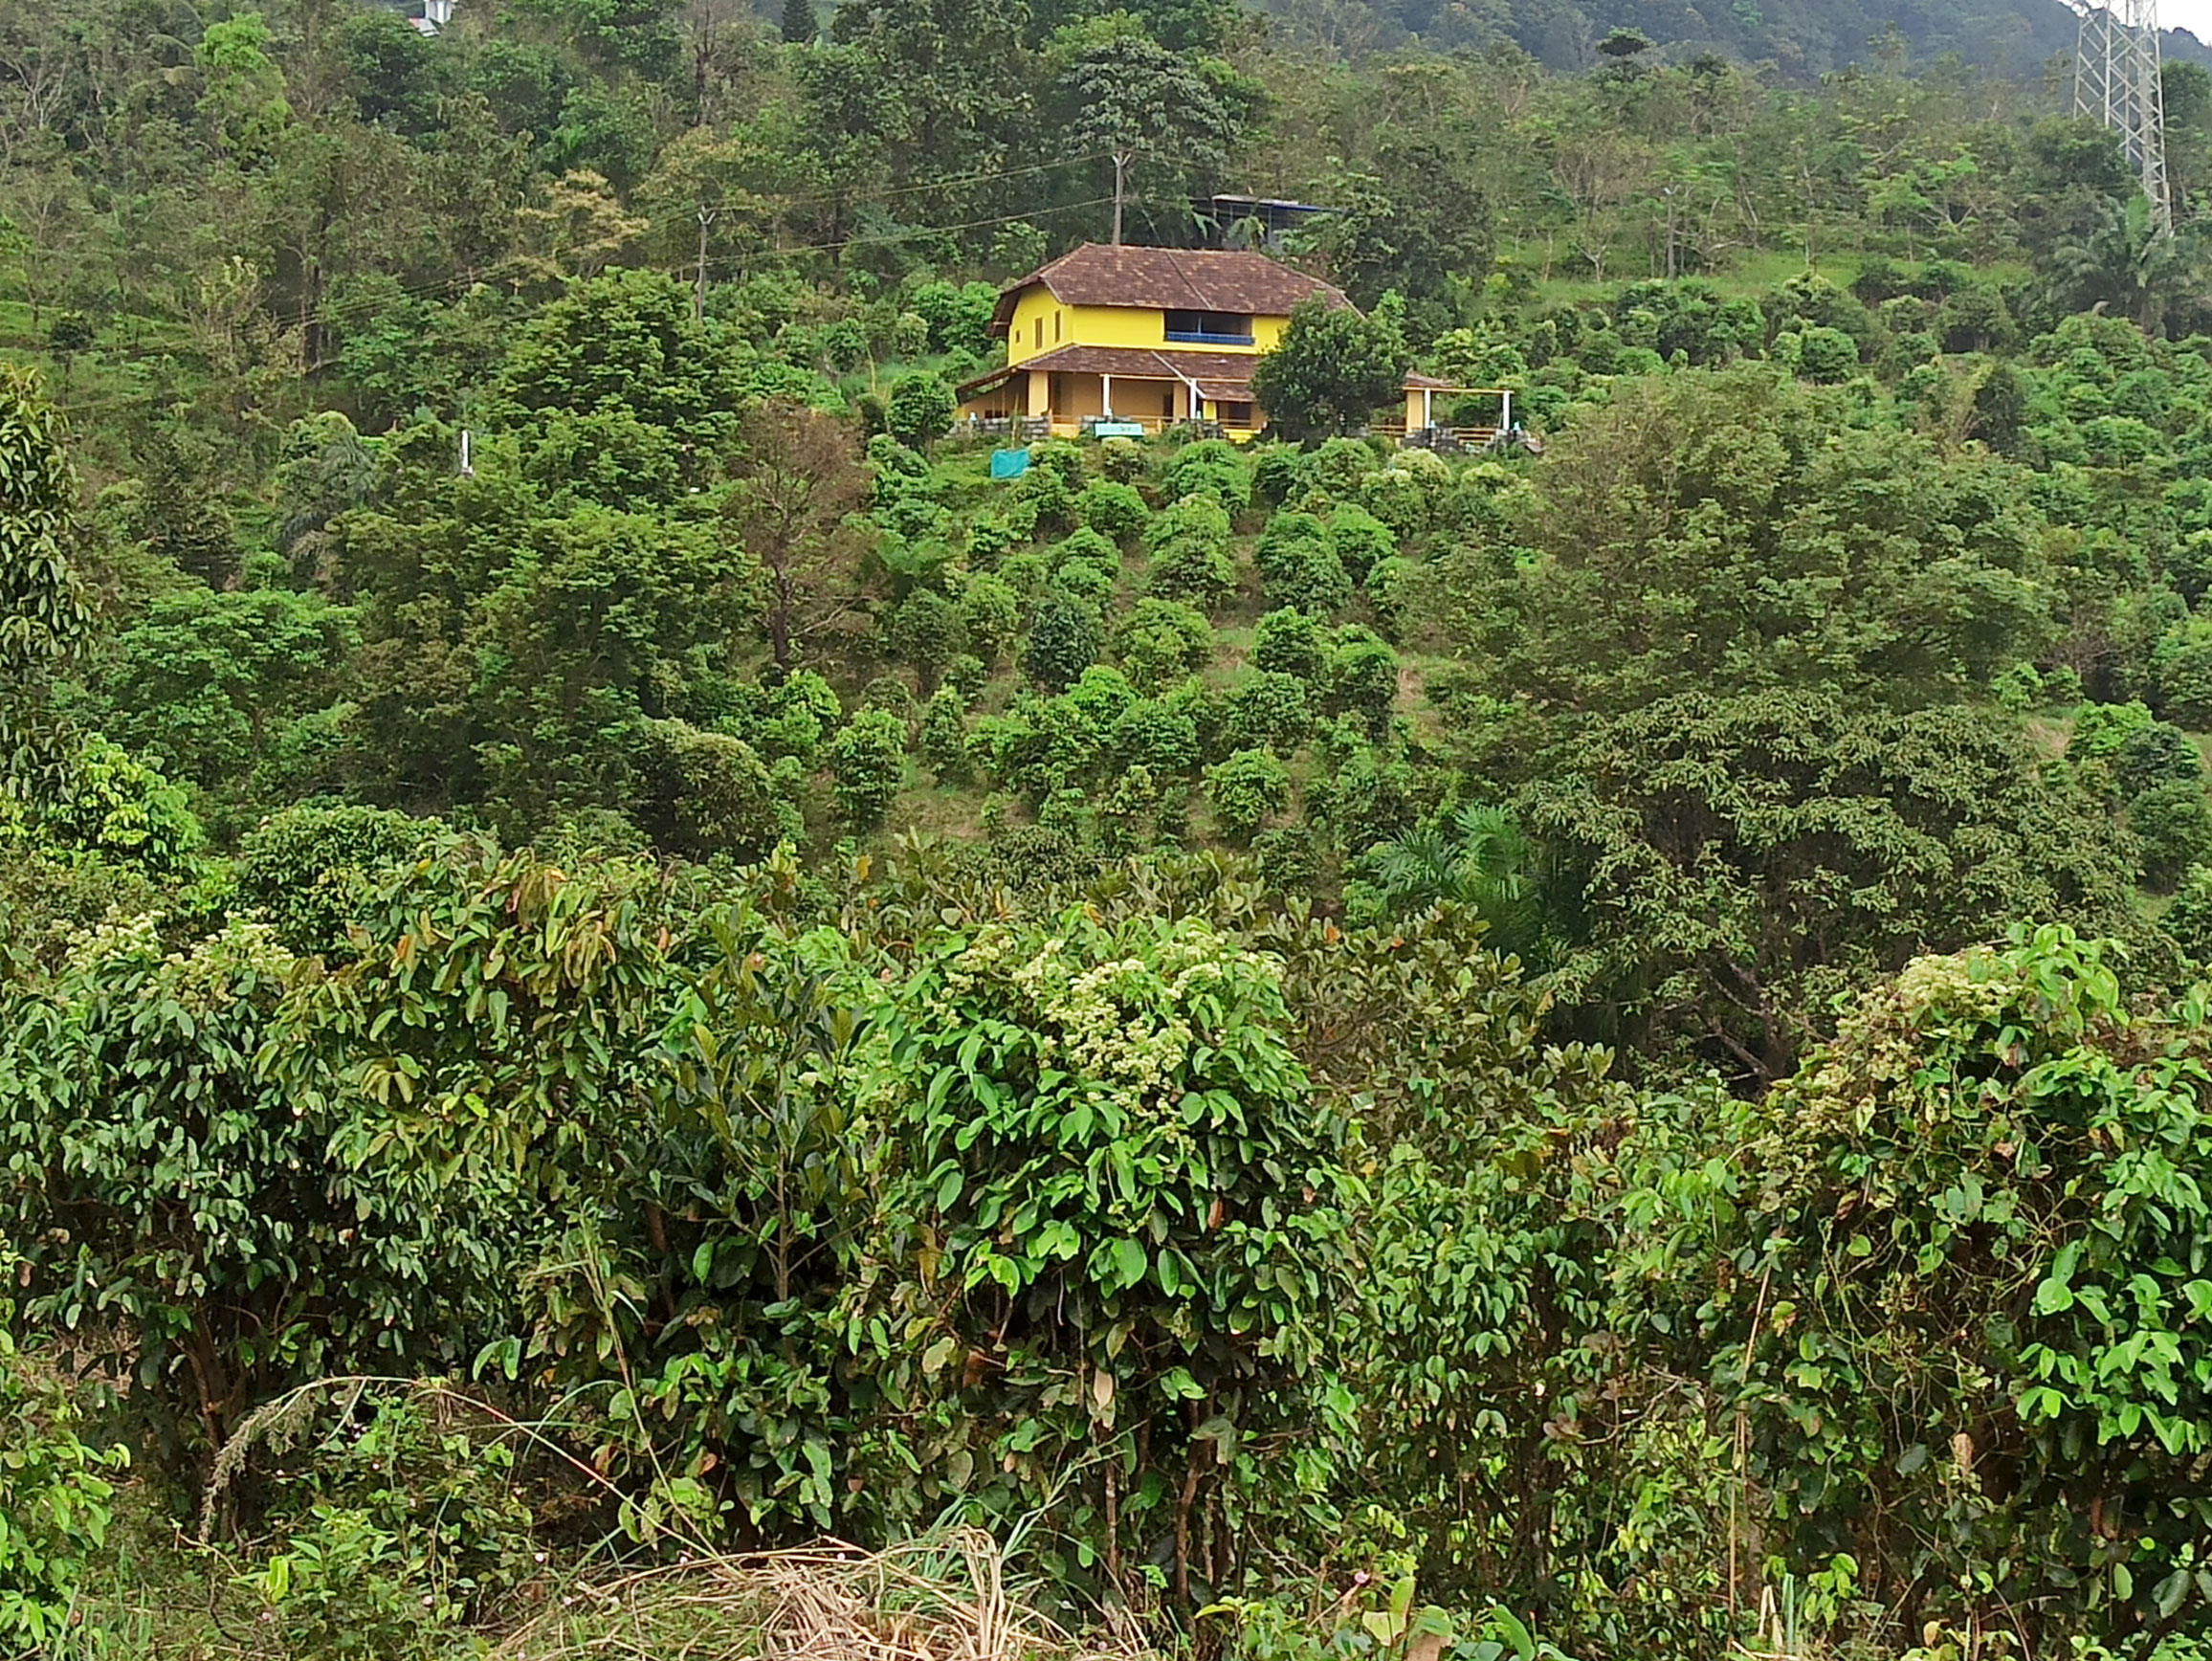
(1237, 415)
(1040, 334)
(1167, 403)
(1210, 328)
(1056, 316)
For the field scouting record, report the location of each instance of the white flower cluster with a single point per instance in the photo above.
(1126, 1024)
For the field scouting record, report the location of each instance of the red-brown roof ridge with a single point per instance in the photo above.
(1210, 279)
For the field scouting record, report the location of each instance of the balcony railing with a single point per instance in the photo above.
(1196, 338)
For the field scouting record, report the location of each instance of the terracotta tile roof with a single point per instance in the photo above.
(1171, 279)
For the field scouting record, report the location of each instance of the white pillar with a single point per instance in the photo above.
(1106, 396)
(1505, 419)
(1428, 406)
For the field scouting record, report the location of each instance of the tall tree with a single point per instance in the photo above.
(1332, 369)
(1138, 104)
(43, 616)
(797, 486)
(800, 24)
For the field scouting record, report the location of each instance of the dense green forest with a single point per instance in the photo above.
(615, 960)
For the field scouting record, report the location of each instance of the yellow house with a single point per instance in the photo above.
(1149, 337)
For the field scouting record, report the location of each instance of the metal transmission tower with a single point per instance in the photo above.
(2117, 82)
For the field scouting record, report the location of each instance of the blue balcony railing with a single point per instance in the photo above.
(1195, 338)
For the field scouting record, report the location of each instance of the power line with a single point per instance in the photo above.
(877, 239)
(322, 312)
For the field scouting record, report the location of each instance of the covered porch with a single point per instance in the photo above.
(1077, 388)
(1468, 416)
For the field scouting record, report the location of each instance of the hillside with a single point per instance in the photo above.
(1802, 39)
(659, 997)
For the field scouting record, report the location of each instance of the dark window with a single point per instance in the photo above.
(1167, 403)
(1231, 327)
(1239, 415)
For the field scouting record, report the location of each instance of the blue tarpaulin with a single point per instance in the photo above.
(1010, 463)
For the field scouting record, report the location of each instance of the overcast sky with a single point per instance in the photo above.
(2194, 16)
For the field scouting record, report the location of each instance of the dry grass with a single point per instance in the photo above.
(943, 1598)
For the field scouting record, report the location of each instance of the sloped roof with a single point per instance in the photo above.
(1169, 279)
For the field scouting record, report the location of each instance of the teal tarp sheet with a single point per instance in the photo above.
(1010, 463)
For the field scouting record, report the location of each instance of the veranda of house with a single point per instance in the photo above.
(1149, 338)
(1070, 399)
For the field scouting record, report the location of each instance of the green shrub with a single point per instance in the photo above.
(921, 409)
(115, 805)
(55, 1500)
(310, 869)
(1052, 1086)
(1161, 642)
(1121, 460)
(990, 613)
(796, 715)
(1820, 354)
(989, 540)
(928, 631)
(1245, 791)
(1289, 642)
(1278, 472)
(2100, 732)
(2182, 672)
(1269, 711)
(1092, 583)
(1339, 467)
(1359, 540)
(1026, 572)
(1363, 679)
(1059, 459)
(967, 675)
(1158, 735)
(943, 737)
(899, 472)
(1213, 465)
(2189, 919)
(2157, 754)
(1389, 586)
(2173, 828)
(868, 766)
(179, 1187)
(394, 1536)
(709, 793)
(1115, 511)
(1064, 639)
(1298, 567)
(1044, 503)
(1308, 578)
(1403, 498)
(1190, 545)
(1088, 546)
(1922, 1105)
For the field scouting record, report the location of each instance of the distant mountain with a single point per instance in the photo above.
(1801, 38)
